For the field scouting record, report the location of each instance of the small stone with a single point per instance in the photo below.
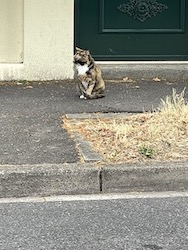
(156, 79)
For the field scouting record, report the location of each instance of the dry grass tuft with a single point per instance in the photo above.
(160, 136)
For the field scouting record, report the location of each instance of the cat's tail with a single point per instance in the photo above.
(95, 96)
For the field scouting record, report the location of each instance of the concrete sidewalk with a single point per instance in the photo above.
(38, 157)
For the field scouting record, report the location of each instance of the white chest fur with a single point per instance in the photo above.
(82, 69)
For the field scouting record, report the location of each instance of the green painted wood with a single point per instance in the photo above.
(133, 29)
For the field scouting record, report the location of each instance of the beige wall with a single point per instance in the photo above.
(47, 42)
(11, 31)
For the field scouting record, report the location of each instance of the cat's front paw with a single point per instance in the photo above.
(82, 97)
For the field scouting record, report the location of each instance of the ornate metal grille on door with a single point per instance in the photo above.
(142, 9)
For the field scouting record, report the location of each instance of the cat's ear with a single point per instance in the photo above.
(88, 52)
(89, 55)
(78, 49)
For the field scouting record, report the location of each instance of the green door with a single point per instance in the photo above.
(133, 29)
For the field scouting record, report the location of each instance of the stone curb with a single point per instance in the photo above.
(48, 179)
(171, 71)
(81, 116)
(149, 177)
(63, 179)
(86, 149)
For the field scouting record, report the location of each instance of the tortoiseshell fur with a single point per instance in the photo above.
(91, 84)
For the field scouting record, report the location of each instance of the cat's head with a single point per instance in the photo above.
(82, 56)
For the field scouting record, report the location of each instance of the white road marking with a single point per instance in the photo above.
(95, 197)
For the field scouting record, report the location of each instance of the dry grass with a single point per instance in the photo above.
(160, 136)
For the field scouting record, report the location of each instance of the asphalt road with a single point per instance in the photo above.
(30, 116)
(137, 223)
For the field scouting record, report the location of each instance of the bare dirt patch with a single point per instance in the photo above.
(158, 136)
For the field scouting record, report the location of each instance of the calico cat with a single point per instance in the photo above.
(91, 85)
